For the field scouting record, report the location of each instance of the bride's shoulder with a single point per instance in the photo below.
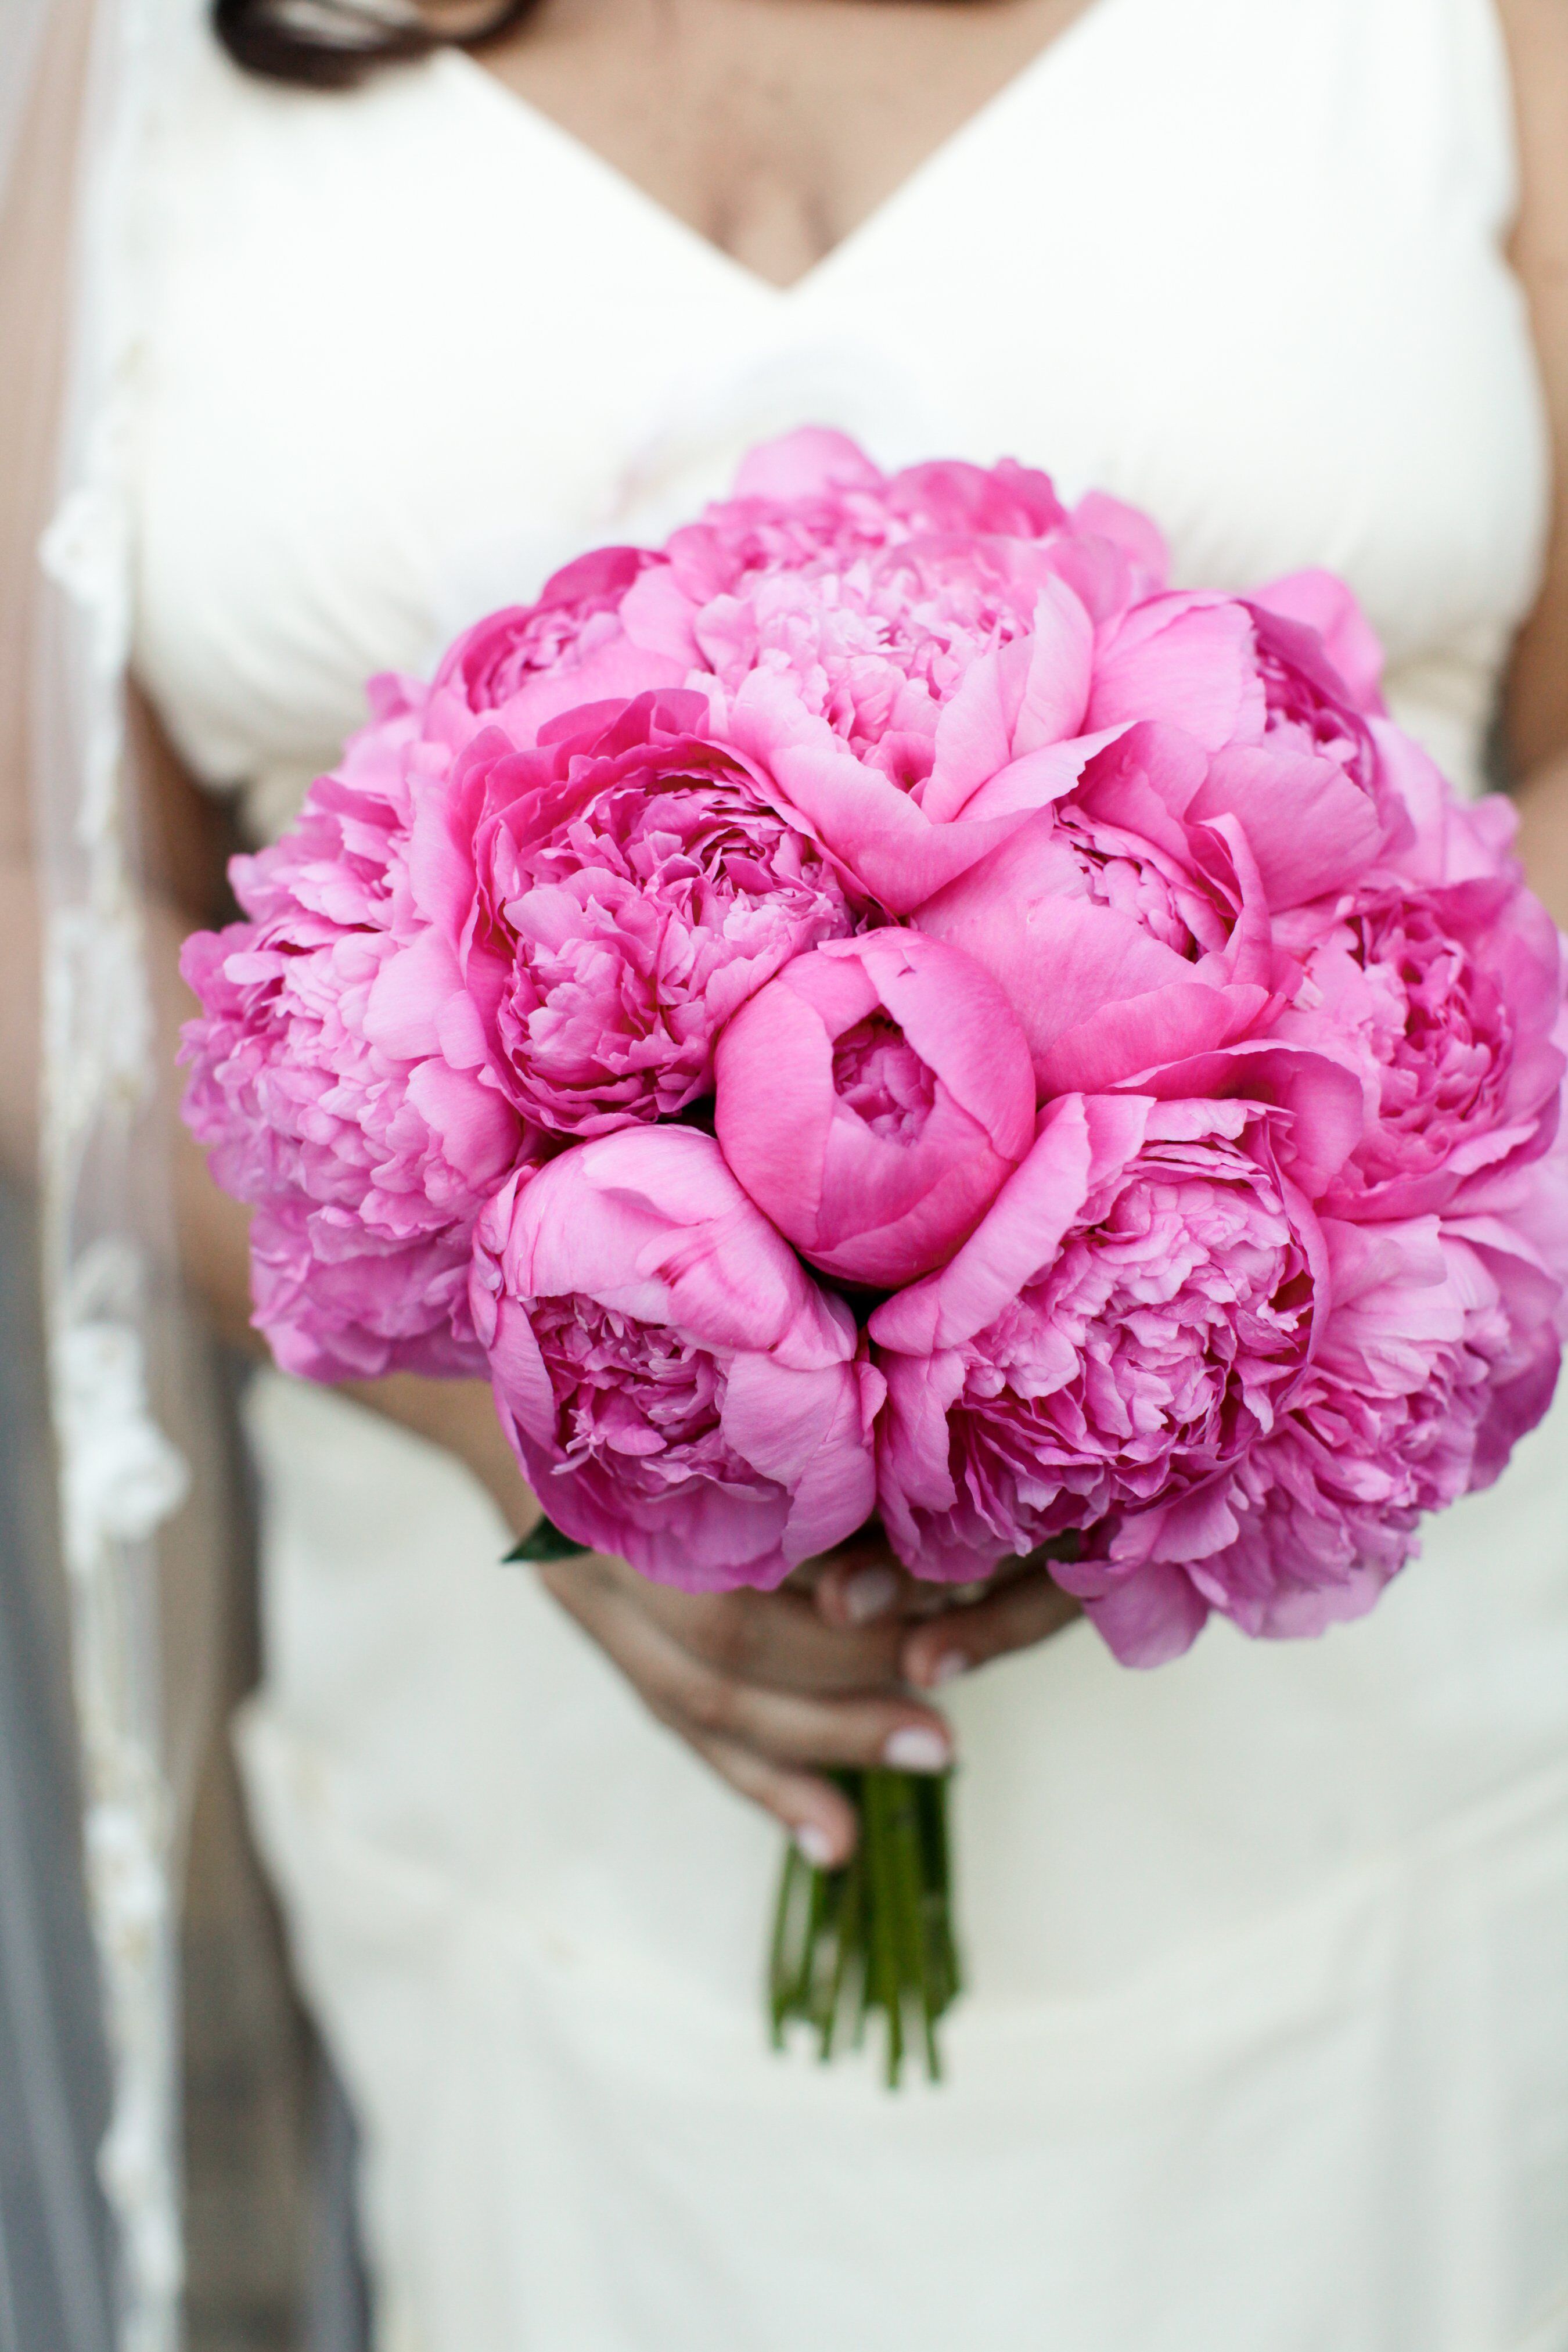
(227, 145)
(206, 89)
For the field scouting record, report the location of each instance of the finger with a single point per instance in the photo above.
(863, 1586)
(1015, 1616)
(820, 1817)
(787, 1727)
(776, 1638)
(725, 1724)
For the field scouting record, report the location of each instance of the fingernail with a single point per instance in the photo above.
(816, 1844)
(947, 1669)
(870, 1593)
(914, 1748)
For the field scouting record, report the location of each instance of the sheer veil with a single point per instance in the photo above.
(79, 87)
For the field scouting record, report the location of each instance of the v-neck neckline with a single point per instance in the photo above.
(1046, 60)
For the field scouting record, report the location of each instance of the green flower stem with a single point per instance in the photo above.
(876, 1936)
(887, 1894)
(778, 1958)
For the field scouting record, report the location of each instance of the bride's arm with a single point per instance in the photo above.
(1537, 706)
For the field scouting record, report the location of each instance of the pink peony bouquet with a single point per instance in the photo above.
(881, 1008)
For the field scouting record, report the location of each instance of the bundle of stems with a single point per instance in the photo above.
(876, 1934)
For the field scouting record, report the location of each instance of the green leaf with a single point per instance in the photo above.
(544, 1541)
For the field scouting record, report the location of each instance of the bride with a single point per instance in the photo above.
(1266, 2045)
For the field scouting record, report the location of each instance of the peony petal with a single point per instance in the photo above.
(885, 840)
(1033, 781)
(1057, 685)
(1126, 1034)
(1150, 1618)
(403, 1012)
(805, 1429)
(479, 1133)
(517, 1370)
(1185, 660)
(618, 672)
(773, 1103)
(1017, 1236)
(1310, 826)
(1322, 1095)
(1321, 601)
(973, 740)
(959, 1021)
(804, 465)
(1099, 516)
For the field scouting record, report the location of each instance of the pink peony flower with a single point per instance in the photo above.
(603, 904)
(1135, 1313)
(1125, 934)
(576, 614)
(813, 497)
(1322, 601)
(1294, 753)
(677, 1389)
(366, 1168)
(1439, 1353)
(1448, 997)
(523, 667)
(889, 646)
(793, 500)
(1450, 840)
(872, 1099)
(898, 848)
(880, 645)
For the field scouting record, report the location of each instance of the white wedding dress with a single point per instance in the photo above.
(1267, 2048)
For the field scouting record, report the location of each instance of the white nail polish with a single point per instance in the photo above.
(948, 1667)
(870, 1593)
(914, 1748)
(815, 1845)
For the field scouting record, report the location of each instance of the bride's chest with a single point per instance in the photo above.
(772, 128)
(1233, 259)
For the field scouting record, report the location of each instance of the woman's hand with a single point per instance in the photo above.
(762, 1687)
(765, 1685)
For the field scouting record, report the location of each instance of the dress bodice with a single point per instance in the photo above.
(1239, 261)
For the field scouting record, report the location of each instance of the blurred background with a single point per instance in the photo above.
(272, 2264)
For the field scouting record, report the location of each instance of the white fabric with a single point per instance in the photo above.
(1268, 2044)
